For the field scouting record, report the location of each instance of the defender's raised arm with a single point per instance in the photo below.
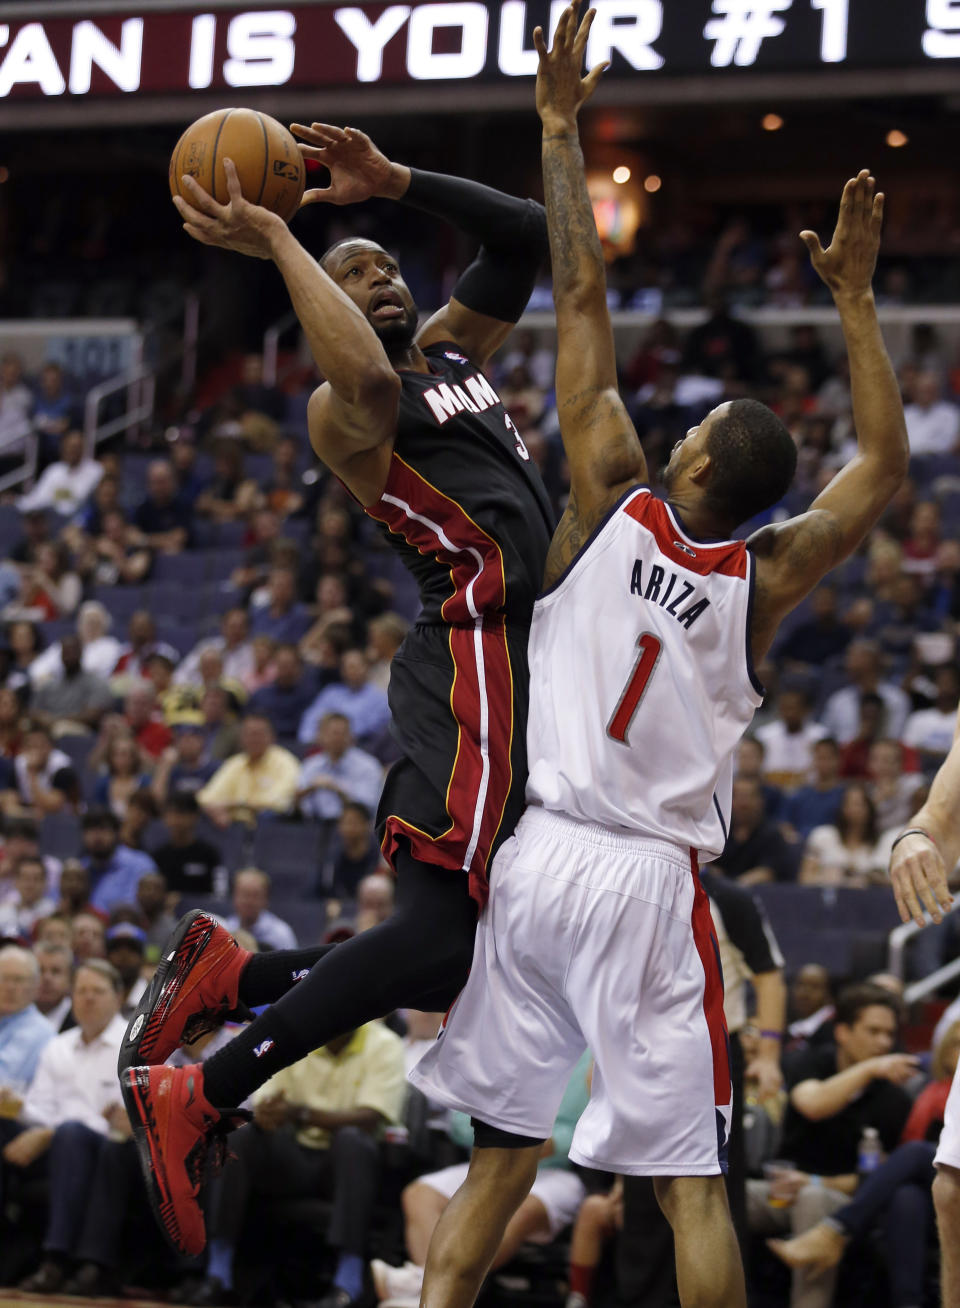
(793, 557)
(602, 447)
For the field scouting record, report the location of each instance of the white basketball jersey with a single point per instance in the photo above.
(641, 683)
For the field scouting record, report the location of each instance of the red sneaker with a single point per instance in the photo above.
(194, 990)
(178, 1134)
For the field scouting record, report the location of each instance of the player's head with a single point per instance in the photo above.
(371, 278)
(740, 460)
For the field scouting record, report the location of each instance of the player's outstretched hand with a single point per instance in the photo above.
(919, 879)
(848, 263)
(358, 169)
(238, 225)
(561, 90)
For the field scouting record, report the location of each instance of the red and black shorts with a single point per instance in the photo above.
(459, 697)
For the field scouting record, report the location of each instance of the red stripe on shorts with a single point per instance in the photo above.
(705, 938)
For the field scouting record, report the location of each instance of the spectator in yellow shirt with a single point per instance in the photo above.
(261, 777)
(315, 1133)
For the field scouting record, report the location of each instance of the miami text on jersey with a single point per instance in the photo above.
(445, 400)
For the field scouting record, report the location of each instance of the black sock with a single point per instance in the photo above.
(268, 976)
(420, 956)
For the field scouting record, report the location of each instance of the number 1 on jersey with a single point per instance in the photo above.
(633, 692)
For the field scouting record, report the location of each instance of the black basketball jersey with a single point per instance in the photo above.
(464, 504)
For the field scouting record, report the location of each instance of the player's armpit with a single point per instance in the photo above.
(354, 438)
(790, 558)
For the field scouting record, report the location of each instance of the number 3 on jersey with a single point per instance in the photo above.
(633, 692)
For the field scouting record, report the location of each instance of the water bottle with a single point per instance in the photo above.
(868, 1156)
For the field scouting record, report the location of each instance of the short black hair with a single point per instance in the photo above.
(354, 806)
(182, 801)
(754, 459)
(346, 240)
(96, 818)
(854, 999)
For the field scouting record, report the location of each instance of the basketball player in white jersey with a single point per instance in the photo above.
(642, 648)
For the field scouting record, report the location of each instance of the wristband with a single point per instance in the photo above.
(913, 831)
(770, 1035)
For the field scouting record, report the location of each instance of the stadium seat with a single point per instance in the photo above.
(290, 846)
(60, 835)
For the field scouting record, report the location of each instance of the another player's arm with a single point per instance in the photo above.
(355, 410)
(492, 293)
(793, 557)
(921, 864)
(602, 447)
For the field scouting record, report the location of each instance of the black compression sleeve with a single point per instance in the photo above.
(514, 235)
(501, 222)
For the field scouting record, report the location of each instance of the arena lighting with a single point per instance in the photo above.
(621, 174)
(771, 122)
(896, 138)
(652, 183)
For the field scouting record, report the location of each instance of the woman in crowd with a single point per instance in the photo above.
(848, 853)
(123, 773)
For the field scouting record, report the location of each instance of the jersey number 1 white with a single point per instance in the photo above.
(650, 648)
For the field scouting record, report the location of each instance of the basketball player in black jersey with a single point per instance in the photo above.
(416, 432)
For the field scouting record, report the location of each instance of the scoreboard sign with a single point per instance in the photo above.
(162, 52)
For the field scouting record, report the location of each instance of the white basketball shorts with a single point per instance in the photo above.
(561, 1193)
(948, 1150)
(593, 938)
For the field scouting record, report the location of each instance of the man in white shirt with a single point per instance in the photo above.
(64, 486)
(340, 773)
(930, 730)
(55, 982)
(933, 424)
(788, 741)
(841, 714)
(251, 894)
(72, 1113)
(16, 402)
(100, 650)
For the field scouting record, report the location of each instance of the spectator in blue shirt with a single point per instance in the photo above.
(816, 804)
(281, 618)
(162, 519)
(115, 869)
(23, 1030)
(288, 696)
(362, 703)
(340, 774)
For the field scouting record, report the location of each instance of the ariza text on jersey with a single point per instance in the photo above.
(675, 596)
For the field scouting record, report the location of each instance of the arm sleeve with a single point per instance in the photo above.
(747, 924)
(40, 1105)
(513, 233)
(217, 789)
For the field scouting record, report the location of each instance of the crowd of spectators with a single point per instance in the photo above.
(193, 708)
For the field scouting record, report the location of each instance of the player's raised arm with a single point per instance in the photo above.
(793, 557)
(927, 852)
(492, 293)
(602, 447)
(356, 410)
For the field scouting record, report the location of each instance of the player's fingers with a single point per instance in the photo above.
(539, 44)
(583, 31)
(305, 133)
(316, 195)
(198, 234)
(233, 181)
(319, 153)
(812, 241)
(560, 35)
(902, 908)
(187, 211)
(330, 130)
(199, 198)
(910, 898)
(593, 77)
(925, 894)
(877, 215)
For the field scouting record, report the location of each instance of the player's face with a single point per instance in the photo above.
(371, 278)
(686, 451)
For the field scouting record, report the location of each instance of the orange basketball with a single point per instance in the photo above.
(269, 165)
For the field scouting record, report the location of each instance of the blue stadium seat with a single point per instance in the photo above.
(60, 836)
(77, 748)
(219, 564)
(11, 527)
(177, 569)
(308, 917)
(291, 846)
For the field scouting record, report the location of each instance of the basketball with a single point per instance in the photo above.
(269, 165)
